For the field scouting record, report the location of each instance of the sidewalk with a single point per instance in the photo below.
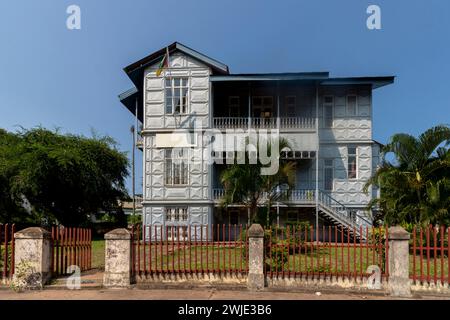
(172, 294)
(91, 289)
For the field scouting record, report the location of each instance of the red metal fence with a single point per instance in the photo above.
(429, 254)
(6, 250)
(71, 246)
(294, 252)
(218, 249)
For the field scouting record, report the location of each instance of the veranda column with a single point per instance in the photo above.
(117, 258)
(32, 259)
(399, 283)
(255, 280)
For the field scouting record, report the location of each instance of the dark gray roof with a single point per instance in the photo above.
(220, 73)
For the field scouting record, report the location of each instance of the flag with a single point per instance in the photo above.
(163, 64)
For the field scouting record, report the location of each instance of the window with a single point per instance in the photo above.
(351, 105)
(290, 102)
(328, 174)
(177, 233)
(176, 162)
(352, 160)
(262, 107)
(177, 95)
(233, 106)
(176, 214)
(328, 103)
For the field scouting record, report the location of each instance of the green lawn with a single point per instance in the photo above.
(191, 258)
(98, 254)
(328, 260)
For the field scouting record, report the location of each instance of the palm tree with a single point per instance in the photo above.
(244, 184)
(414, 186)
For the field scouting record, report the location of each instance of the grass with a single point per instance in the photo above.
(98, 254)
(335, 260)
(191, 258)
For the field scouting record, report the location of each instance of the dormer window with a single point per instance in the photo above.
(177, 95)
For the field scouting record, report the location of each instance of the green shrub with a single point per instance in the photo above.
(277, 256)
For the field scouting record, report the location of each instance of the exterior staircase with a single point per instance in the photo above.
(329, 208)
(343, 216)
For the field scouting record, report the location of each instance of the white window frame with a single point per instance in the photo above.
(326, 105)
(357, 162)
(176, 214)
(325, 167)
(347, 105)
(185, 157)
(184, 109)
(288, 106)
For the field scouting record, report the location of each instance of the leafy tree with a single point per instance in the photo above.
(415, 186)
(244, 184)
(59, 178)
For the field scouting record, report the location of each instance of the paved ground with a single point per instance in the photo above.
(91, 289)
(194, 294)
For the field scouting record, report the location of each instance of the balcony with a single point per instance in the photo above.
(289, 123)
(299, 196)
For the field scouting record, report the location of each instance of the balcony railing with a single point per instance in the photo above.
(302, 196)
(264, 123)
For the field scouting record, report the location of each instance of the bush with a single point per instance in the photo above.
(278, 255)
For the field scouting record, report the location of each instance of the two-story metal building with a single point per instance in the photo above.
(327, 121)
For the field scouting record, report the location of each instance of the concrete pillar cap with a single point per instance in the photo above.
(33, 233)
(398, 233)
(256, 231)
(118, 234)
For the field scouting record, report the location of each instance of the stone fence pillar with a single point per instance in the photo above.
(32, 259)
(399, 283)
(255, 280)
(117, 259)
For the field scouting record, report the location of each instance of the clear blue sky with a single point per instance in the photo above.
(55, 77)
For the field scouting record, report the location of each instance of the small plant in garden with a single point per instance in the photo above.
(24, 277)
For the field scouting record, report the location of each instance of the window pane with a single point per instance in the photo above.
(351, 105)
(328, 99)
(328, 179)
(168, 93)
(328, 116)
(352, 167)
(176, 82)
(169, 105)
(168, 83)
(352, 151)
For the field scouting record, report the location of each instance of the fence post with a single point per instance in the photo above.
(117, 258)
(255, 280)
(399, 284)
(32, 258)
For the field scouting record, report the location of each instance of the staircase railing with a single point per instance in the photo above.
(340, 212)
